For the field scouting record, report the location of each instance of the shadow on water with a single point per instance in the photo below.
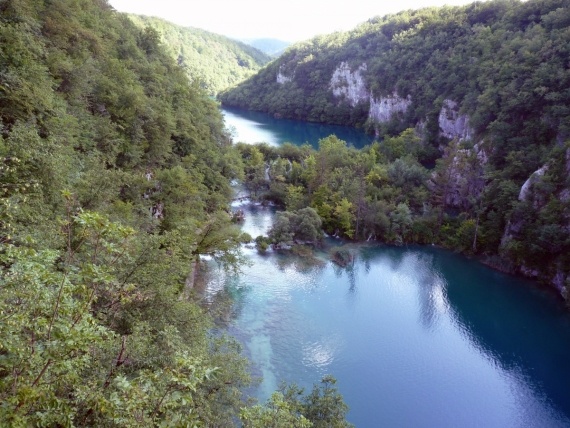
(502, 316)
(499, 314)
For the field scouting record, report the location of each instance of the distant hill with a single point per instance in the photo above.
(272, 47)
(217, 61)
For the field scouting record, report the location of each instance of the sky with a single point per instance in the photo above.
(288, 20)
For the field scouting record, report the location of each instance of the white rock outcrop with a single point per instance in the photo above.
(283, 78)
(383, 109)
(349, 84)
(452, 124)
(535, 176)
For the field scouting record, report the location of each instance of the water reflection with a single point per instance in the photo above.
(522, 328)
(320, 354)
(298, 268)
(431, 290)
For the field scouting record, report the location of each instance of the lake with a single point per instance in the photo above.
(416, 336)
(256, 127)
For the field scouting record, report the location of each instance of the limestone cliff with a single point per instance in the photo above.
(385, 108)
(452, 124)
(282, 77)
(351, 86)
(525, 194)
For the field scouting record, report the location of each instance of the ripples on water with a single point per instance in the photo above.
(416, 337)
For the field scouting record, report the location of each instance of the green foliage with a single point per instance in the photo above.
(255, 178)
(323, 407)
(407, 143)
(277, 413)
(215, 61)
(303, 225)
(354, 193)
(262, 243)
(401, 222)
(66, 322)
(114, 178)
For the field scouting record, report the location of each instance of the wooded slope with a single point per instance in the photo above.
(216, 61)
(114, 179)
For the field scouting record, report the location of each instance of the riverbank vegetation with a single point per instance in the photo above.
(384, 192)
(115, 178)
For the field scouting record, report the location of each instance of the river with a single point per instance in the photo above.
(416, 336)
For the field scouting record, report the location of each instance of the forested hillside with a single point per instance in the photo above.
(114, 180)
(216, 61)
(483, 95)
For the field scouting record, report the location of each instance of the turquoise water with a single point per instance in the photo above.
(416, 336)
(255, 127)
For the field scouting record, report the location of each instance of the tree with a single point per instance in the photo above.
(343, 217)
(255, 172)
(325, 407)
(277, 413)
(401, 219)
(303, 225)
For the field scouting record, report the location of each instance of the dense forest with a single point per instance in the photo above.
(471, 106)
(216, 61)
(115, 177)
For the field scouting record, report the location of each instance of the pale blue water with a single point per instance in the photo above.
(417, 337)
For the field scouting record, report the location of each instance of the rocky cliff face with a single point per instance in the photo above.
(452, 124)
(351, 85)
(540, 196)
(525, 194)
(282, 77)
(385, 108)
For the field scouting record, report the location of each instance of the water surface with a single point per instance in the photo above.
(416, 336)
(255, 127)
